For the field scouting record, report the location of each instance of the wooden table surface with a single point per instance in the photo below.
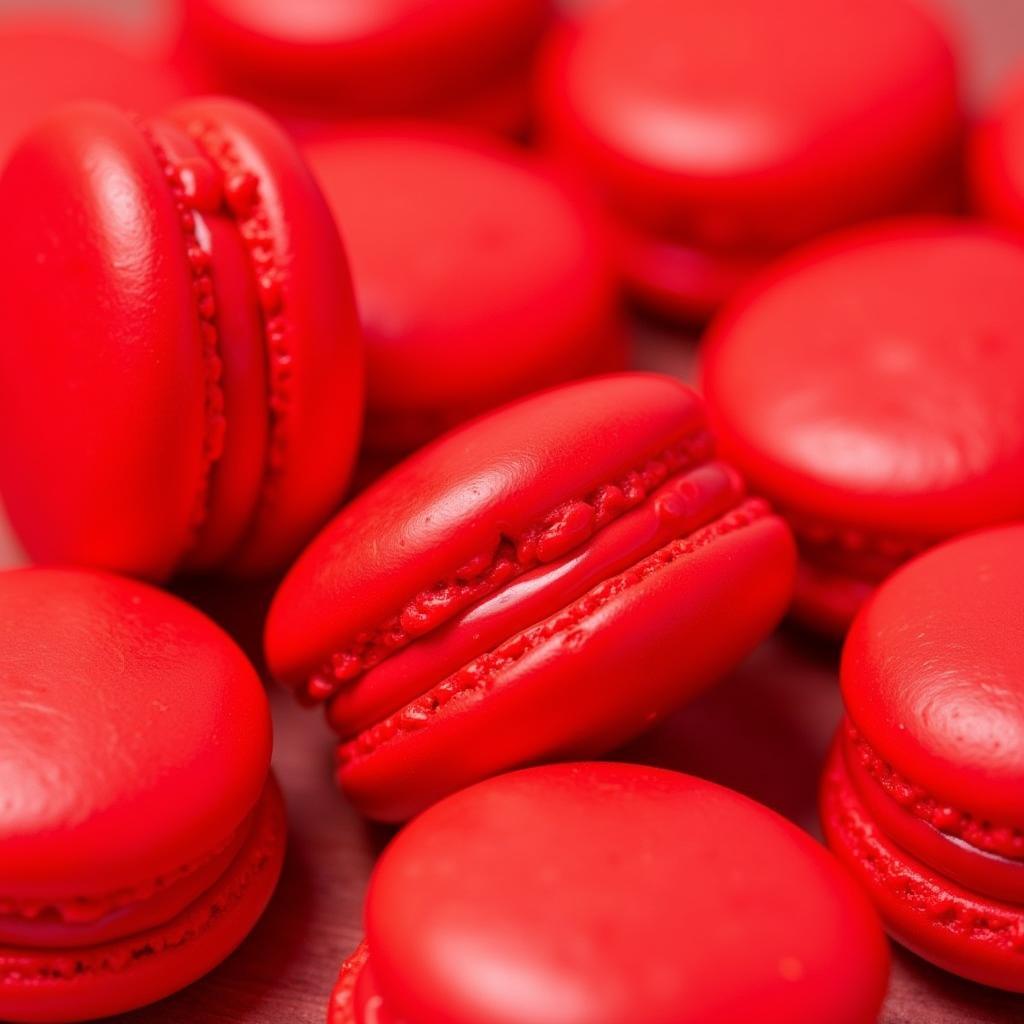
(762, 731)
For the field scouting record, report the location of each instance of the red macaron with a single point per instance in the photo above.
(721, 134)
(141, 835)
(604, 893)
(871, 388)
(996, 157)
(181, 368)
(456, 60)
(480, 275)
(924, 794)
(543, 582)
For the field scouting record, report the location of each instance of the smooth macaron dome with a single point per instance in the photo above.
(870, 387)
(543, 582)
(601, 893)
(923, 794)
(462, 60)
(480, 275)
(996, 157)
(141, 835)
(721, 134)
(185, 277)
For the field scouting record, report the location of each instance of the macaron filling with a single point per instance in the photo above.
(984, 856)
(210, 183)
(253, 854)
(482, 674)
(565, 528)
(971, 934)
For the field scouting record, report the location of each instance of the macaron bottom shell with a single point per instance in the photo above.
(974, 936)
(66, 985)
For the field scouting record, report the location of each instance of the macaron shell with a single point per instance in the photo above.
(960, 931)
(74, 985)
(943, 702)
(597, 674)
(604, 893)
(452, 503)
(996, 158)
(120, 768)
(490, 244)
(369, 58)
(872, 380)
(692, 125)
(315, 361)
(108, 464)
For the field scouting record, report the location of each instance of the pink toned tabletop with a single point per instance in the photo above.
(763, 731)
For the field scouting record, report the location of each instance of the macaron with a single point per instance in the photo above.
(46, 62)
(721, 134)
(870, 386)
(456, 60)
(600, 893)
(922, 797)
(996, 157)
(141, 835)
(181, 366)
(542, 583)
(480, 275)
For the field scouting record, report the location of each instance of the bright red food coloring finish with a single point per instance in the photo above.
(480, 275)
(870, 388)
(544, 582)
(996, 158)
(141, 835)
(602, 893)
(185, 276)
(922, 796)
(721, 134)
(464, 61)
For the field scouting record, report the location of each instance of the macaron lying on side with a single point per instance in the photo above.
(543, 582)
(603, 893)
(181, 368)
(922, 797)
(141, 834)
(870, 387)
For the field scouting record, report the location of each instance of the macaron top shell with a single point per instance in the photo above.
(490, 244)
(933, 675)
(414, 546)
(136, 735)
(373, 56)
(600, 893)
(996, 157)
(873, 380)
(739, 124)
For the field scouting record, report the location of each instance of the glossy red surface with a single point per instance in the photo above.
(926, 781)
(996, 157)
(507, 903)
(508, 594)
(869, 387)
(140, 836)
(209, 399)
(480, 275)
(733, 130)
(464, 60)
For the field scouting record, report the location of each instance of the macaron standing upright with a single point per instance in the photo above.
(141, 835)
(996, 157)
(870, 387)
(180, 368)
(315, 63)
(923, 797)
(602, 893)
(480, 275)
(721, 134)
(541, 583)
